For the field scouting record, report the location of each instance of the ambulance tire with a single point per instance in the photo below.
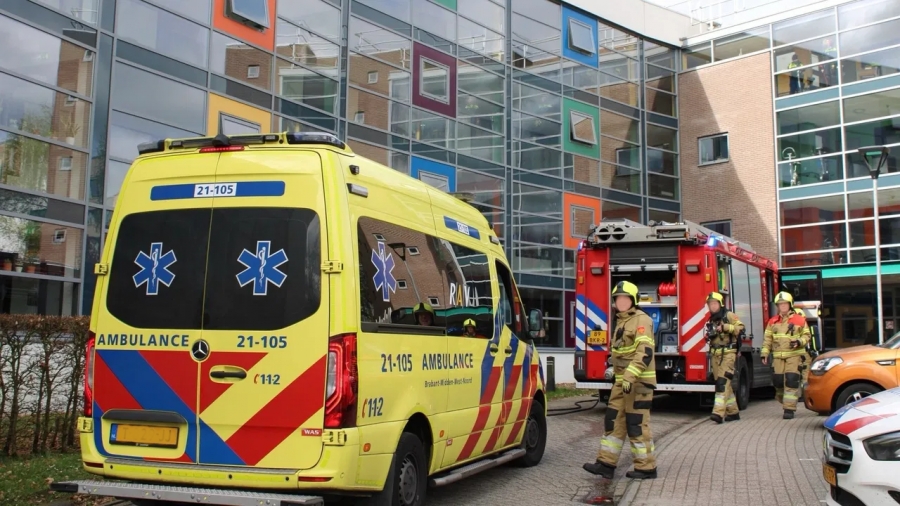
(534, 441)
(742, 387)
(407, 479)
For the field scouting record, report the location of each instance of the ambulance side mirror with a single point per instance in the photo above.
(535, 323)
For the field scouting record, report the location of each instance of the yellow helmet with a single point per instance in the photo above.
(716, 296)
(469, 323)
(423, 307)
(784, 297)
(626, 288)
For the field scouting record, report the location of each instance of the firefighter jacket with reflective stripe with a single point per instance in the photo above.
(780, 331)
(727, 340)
(632, 348)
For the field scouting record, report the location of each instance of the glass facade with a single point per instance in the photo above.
(550, 117)
(836, 81)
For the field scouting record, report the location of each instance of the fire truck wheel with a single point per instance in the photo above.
(742, 373)
(535, 438)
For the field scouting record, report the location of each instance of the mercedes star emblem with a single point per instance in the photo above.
(200, 350)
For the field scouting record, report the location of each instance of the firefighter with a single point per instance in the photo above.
(469, 325)
(724, 342)
(424, 314)
(786, 337)
(628, 409)
(795, 76)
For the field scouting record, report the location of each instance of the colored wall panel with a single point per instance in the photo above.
(571, 145)
(447, 108)
(421, 168)
(450, 4)
(219, 104)
(576, 208)
(568, 50)
(263, 38)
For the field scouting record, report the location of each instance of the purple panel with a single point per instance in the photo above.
(420, 50)
(568, 322)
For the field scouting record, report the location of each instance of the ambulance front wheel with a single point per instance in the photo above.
(408, 477)
(534, 441)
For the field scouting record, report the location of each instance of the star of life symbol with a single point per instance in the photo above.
(154, 268)
(384, 277)
(262, 267)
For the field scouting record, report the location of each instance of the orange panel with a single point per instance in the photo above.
(570, 200)
(262, 38)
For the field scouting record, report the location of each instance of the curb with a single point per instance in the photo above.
(631, 488)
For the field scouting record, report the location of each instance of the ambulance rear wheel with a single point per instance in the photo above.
(534, 441)
(408, 477)
(742, 373)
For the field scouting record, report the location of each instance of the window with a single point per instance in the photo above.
(453, 279)
(373, 77)
(581, 220)
(252, 12)
(163, 32)
(583, 128)
(359, 117)
(252, 71)
(581, 37)
(719, 227)
(713, 149)
(232, 125)
(70, 100)
(172, 274)
(510, 305)
(59, 236)
(150, 96)
(65, 163)
(435, 81)
(88, 55)
(413, 250)
(439, 181)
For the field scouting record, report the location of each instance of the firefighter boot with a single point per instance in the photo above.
(637, 419)
(641, 475)
(733, 418)
(600, 469)
(613, 433)
(716, 418)
(788, 414)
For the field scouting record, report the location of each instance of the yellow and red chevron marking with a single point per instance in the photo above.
(505, 408)
(484, 411)
(527, 398)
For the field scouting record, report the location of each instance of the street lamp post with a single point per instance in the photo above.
(876, 158)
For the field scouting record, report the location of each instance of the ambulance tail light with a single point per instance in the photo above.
(89, 375)
(343, 382)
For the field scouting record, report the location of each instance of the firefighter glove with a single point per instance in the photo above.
(795, 343)
(626, 386)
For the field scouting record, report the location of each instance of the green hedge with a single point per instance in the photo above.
(41, 382)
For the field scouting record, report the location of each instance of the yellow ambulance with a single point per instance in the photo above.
(278, 320)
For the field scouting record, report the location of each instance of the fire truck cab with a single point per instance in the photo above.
(675, 266)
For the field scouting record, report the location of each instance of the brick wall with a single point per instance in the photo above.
(733, 97)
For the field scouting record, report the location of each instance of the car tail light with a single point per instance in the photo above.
(89, 376)
(221, 149)
(342, 383)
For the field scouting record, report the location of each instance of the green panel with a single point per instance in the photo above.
(450, 4)
(798, 277)
(859, 270)
(580, 148)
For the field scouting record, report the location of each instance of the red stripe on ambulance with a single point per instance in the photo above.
(483, 412)
(506, 408)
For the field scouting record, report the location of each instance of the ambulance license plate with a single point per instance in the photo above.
(597, 337)
(830, 474)
(144, 435)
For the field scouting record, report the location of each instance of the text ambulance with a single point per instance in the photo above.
(275, 313)
(675, 266)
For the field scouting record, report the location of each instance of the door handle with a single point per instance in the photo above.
(508, 350)
(228, 374)
(494, 349)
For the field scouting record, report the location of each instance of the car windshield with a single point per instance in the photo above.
(893, 343)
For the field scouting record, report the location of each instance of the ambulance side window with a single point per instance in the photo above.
(400, 268)
(469, 294)
(510, 305)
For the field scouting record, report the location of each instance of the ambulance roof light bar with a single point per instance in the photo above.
(223, 141)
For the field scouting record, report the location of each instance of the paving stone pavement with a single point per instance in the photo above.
(573, 439)
(760, 459)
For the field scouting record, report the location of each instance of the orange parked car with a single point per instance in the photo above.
(841, 377)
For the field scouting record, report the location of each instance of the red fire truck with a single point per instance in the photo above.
(675, 266)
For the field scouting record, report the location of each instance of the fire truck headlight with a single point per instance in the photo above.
(823, 365)
(692, 268)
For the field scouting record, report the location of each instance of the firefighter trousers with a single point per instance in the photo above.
(787, 379)
(723, 370)
(628, 415)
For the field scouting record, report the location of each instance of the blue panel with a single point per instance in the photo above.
(461, 227)
(569, 17)
(246, 189)
(807, 98)
(884, 181)
(871, 85)
(797, 192)
(418, 165)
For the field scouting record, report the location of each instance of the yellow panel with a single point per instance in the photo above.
(218, 103)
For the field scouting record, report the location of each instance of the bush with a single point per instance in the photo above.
(41, 379)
